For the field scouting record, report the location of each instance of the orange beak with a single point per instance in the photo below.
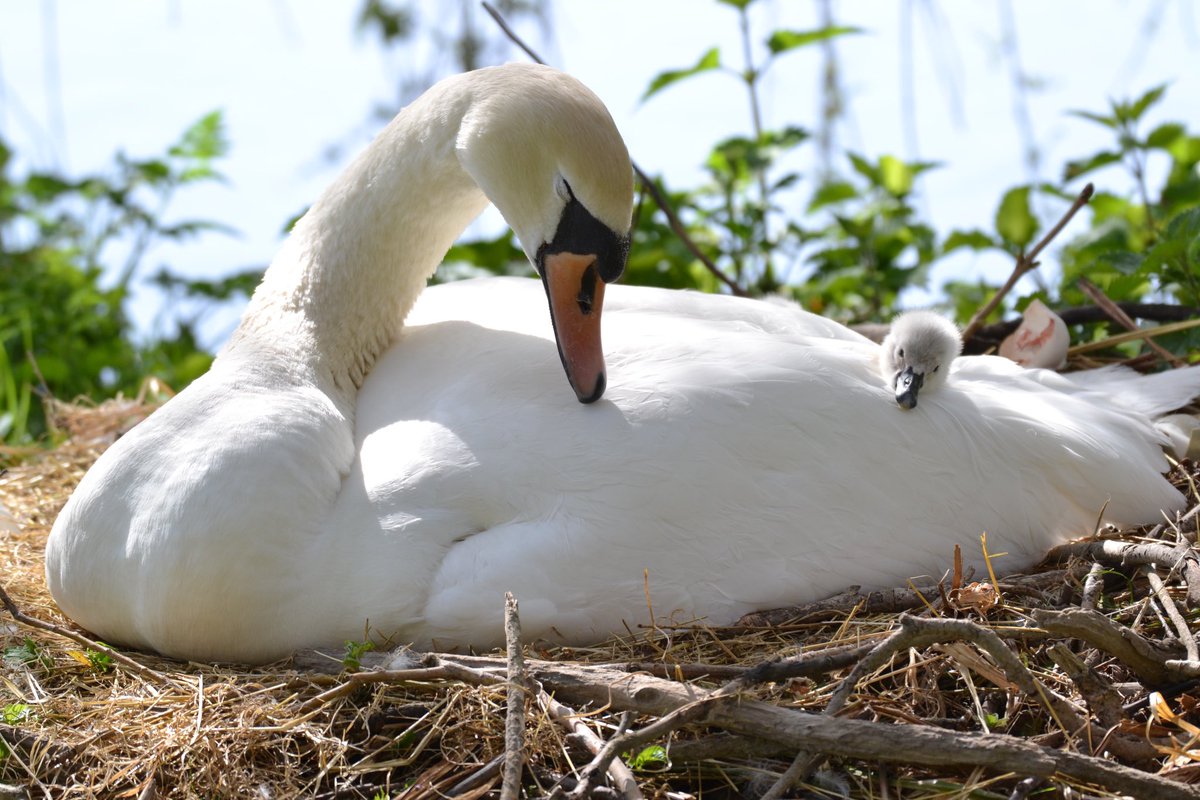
(576, 297)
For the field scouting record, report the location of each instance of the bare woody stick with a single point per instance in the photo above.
(122, 659)
(1026, 262)
(649, 185)
(514, 721)
(1119, 316)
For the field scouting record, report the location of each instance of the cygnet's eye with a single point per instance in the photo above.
(900, 352)
(939, 366)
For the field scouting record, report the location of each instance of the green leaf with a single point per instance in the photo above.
(897, 176)
(1165, 135)
(15, 713)
(205, 139)
(1074, 169)
(865, 168)
(652, 759)
(974, 239)
(1121, 261)
(1185, 226)
(782, 41)
(45, 188)
(740, 5)
(1132, 112)
(1014, 221)
(1108, 122)
(709, 61)
(1185, 150)
(831, 193)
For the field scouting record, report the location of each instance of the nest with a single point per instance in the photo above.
(1078, 679)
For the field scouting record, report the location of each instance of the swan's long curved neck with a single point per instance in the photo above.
(337, 293)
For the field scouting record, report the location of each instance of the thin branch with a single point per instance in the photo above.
(514, 721)
(1025, 263)
(1129, 554)
(441, 670)
(677, 227)
(1148, 660)
(1121, 318)
(621, 776)
(33, 622)
(848, 738)
(510, 33)
(801, 666)
(1168, 603)
(694, 712)
(1092, 586)
(989, 335)
(664, 204)
(922, 632)
(479, 777)
(1133, 336)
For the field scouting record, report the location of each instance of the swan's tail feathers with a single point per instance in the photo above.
(1152, 395)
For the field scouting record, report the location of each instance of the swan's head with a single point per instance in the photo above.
(546, 152)
(917, 354)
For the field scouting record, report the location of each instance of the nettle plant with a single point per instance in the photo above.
(849, 246)
(64, 331)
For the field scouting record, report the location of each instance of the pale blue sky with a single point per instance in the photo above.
(293, 79)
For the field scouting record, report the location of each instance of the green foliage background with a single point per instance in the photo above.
(856, 244)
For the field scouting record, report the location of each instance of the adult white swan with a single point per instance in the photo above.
(744, 456)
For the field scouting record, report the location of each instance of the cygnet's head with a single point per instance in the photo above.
(917, 354)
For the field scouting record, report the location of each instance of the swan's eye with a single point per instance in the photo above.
(563, 189)
(939, 366)
(900, 352)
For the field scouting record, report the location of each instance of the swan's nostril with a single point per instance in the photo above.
(587, 289)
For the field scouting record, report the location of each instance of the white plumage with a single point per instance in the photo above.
(745, 455)
(917, 353)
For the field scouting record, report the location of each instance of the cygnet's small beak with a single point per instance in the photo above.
(907, 384)
(576, 296)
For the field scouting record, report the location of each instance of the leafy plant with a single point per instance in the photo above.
(99, 660)
(28, 652)
(63, 327)
(735, 218)
(650, 759)
(352, 659)
(16, 713)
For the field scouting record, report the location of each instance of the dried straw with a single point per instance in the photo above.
(75, 727)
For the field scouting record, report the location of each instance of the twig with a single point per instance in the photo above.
(442, 670)
(1026, 262)
(33, 622)
(1148, 660)
(1177, 620)
(1096, 691)
(797, 771)
(1121, 318)
(514, 721)
(479, 777)
(1121, 554)
(621, 776)
(991, 334)
(1133, 336)
(510, 33)
(922, 632)
(659, 198)
(1092, 586)
(850, 738)
(694, 712)
(886, 601)
(1025, 788)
